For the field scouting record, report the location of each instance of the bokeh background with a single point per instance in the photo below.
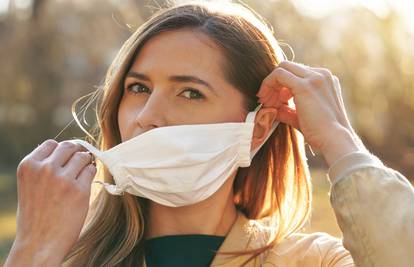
(53, 52)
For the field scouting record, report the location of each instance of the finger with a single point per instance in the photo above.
(285, 95)
(337, 93)
(269, 96)
(341, 101)
(76, 163)
(280, 78)
(271, 100)
(86, 176)
(278, 98)
(322, 71)
(269, 84)
(44, 150)
(64, 152)
(298, 69)
(336, 87)
(288, 115)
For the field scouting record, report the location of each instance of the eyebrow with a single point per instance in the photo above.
(174, 78)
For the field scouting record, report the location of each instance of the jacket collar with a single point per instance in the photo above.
(244, 234)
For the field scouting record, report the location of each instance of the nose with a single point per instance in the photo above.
(152, 114)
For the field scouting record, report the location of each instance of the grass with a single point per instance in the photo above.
(323, 219)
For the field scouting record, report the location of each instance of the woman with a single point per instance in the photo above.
(202, 64)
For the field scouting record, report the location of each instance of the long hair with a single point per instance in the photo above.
(275, 186)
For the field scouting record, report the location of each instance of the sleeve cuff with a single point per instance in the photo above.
(350, 162)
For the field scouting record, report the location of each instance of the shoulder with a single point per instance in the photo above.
(298, 249)
(320, 241)
(316, 249)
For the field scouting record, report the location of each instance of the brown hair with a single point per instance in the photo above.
(276, 185)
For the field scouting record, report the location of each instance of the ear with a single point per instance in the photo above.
(263, 122)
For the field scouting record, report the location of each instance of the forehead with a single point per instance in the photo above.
(183, 51)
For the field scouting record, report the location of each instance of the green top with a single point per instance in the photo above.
(182, 250)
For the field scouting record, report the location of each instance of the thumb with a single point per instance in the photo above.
(288, 115)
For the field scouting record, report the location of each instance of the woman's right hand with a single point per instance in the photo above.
(53, 188)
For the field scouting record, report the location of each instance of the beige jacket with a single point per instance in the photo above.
(374, 206)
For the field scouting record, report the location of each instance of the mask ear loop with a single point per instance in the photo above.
(251, 115)
(110, 188)
(88, 146)
(250, 119)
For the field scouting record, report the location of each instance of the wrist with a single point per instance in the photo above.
(341, 143)
(25, 254)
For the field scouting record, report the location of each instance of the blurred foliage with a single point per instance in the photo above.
(8, 205)
(53, 52)
(56, 51)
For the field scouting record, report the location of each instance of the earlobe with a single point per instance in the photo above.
(264, 120)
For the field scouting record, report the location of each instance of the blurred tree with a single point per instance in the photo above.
(37, 7)
(58, 51)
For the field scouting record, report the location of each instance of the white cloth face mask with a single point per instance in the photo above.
(179, 165)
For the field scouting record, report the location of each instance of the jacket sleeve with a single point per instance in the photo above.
(374, 207)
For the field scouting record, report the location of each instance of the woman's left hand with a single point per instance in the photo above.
(318, 111)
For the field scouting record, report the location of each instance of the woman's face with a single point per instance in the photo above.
(177, 78)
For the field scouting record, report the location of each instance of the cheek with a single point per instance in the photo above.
(124, 118)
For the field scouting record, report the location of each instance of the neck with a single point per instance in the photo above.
(212, 216)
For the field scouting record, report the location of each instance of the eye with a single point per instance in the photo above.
(137, 88)
(193, 94)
